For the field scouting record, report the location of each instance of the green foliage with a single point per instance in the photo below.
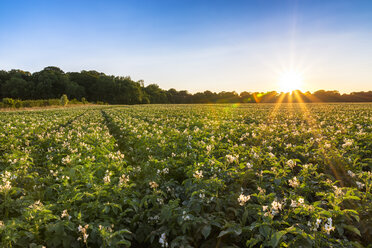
(187, 176)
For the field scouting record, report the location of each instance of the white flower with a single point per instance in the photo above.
(198, 174)
(352, 174)
(153, 184)
(317, 224)
(261, 190)
(231, 158)
(328, 226)
(83, 231)
(163, 240)
(301, 200)
(327, 145)
(347, 143)
(276, 205)
(65, 214)
(249, 165)
(185, 216)
(209, 148)
(243, 199)
(123, 180)
(291, 163)
(107, 179)
(293, 204)
(360, 185)
(294, 182)
(5, 177)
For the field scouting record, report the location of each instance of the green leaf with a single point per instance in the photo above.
(352, 229)
(124, 242)
(252, 242)
(206, 230)
(265, 231)
(275, 238)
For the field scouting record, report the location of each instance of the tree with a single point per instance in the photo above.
(17, 87)
(156, 94)
(51, 82)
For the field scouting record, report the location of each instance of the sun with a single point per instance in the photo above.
(290, 81)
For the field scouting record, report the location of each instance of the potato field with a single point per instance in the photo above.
(248, 175)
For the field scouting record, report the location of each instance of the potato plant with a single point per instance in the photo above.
(251, 175)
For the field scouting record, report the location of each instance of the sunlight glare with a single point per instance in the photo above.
(290, 81)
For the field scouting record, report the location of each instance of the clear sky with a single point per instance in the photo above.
(195, 45)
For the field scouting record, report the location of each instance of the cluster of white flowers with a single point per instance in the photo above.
(155, 219)
(327, 145)
(294, 182)
(261, 190)
(294, 204)
(5, 178)
(123, 180)
(65, 214)
(54, 173)
(66, 160)
(36, 205)
(275, 207)
(108, 228)
(65, 177)
(328, 226)
(249, 165)
(338, 191)
(153, 185)
(163, 240)
(185, 216)
(209, 148)
(163, 171)
(231, 159)
(107, 178)
(198, 174)
(291, 163)
(242, 199)
(348, 142)
(83, 231)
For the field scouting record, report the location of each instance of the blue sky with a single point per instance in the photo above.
(195, 45)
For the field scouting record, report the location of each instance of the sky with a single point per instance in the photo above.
(219, 45)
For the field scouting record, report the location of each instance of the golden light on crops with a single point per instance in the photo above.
(290, 81)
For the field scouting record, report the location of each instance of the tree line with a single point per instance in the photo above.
(93, 86)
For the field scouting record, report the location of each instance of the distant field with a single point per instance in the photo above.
(248, 175)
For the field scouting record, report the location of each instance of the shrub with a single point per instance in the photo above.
(18, 103)
(64, 100)
(8, 102)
